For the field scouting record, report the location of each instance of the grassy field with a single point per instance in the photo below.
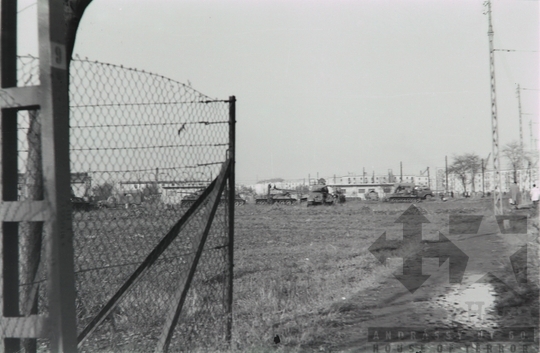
(299, 270)
(302, 273)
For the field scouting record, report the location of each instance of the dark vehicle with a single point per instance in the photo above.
(339, 196)
(372, 196)
(280, 197)
(319, 195)
(409, 192)
(190, 199)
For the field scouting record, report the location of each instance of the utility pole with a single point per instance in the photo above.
(520, 119)
(484, 165)
(446, 172)
(400, 171)
(364, 174)
(497, 196)
(533, 147)
(483, 191)
(428, 182)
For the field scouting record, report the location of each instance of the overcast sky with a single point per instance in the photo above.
(331, 87)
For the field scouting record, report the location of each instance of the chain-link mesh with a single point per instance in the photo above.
(143, 147)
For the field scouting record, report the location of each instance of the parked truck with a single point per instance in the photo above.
(409, 192)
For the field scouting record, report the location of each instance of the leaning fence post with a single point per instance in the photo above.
(232, 197)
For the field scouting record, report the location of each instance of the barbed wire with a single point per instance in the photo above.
(149, 147)
(146, 103)
(151, 124)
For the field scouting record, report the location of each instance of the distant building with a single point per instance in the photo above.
(525, 179)
(354, 186)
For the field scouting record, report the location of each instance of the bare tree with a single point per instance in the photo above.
(474, 163)
(463, 165)
(517, 157)
(459, 167)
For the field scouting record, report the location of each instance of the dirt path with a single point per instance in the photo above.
(488, 298)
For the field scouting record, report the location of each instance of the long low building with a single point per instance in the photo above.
(525, 178)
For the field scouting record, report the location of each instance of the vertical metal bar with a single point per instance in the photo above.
(232, 197)
(10, 274)
(10, 230)
(56, 174)
(8, 46)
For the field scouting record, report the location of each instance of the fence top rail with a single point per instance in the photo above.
(77, 58)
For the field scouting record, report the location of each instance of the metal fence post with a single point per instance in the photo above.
(56, 173)
(232, 197)
(10, 230)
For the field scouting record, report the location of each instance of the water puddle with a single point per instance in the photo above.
(473, 306)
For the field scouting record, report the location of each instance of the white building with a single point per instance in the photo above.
(525, 179)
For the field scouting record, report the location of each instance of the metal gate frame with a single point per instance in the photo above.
(51, 98)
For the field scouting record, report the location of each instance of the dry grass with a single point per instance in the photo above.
(296, 267)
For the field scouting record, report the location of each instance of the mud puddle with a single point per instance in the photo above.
(473, 306)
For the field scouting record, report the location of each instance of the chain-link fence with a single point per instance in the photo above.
(149, 162)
